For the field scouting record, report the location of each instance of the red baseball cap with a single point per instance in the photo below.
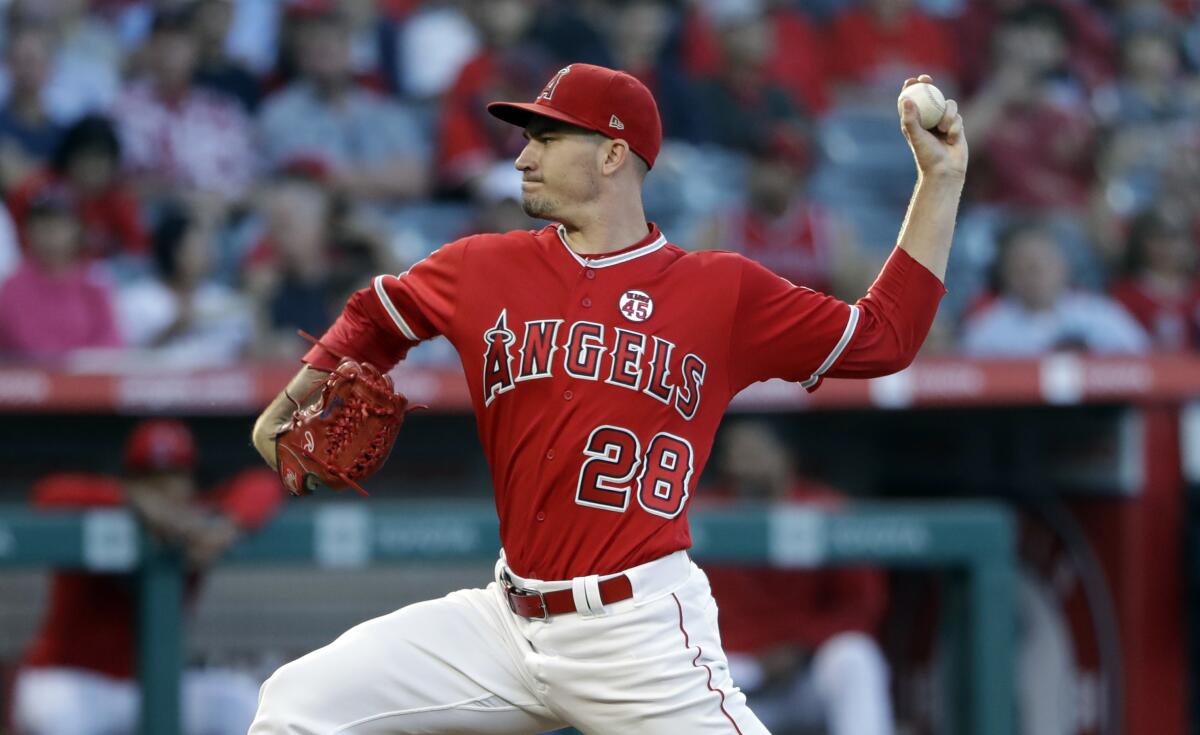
(603, 100)
(160, 444)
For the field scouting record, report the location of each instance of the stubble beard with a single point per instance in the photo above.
(537, 207)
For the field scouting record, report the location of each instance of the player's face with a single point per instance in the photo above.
(559, 168)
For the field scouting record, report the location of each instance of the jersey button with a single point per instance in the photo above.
(591, 274)
(550, 454)
(568, 395)
(541, 516)
(587, 302)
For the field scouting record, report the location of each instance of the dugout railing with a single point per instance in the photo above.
(973, 542)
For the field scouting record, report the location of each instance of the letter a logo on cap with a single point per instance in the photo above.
(548, 92)
(615, 122)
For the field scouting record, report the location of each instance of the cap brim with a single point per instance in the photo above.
(519, 114)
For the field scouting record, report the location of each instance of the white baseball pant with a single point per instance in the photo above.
(465, 663)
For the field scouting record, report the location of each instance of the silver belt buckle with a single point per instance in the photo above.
(512, 590)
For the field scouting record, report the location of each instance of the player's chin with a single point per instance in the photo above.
(537, 207)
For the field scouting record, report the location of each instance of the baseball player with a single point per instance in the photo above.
(78, 676)
(600, 359)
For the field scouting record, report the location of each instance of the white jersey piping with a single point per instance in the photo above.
(392, 311)
(847, 333)
(604, 262)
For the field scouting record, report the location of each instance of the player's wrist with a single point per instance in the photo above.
(263, 439)
(943, 175)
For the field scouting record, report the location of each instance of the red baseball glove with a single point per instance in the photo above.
(346, 435)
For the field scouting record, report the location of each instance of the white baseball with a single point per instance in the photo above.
(930, 102)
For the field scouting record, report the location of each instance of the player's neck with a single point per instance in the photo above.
(607, 234)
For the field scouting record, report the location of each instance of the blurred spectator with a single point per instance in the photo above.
(641, 37)
(28, 135)
(470, 141)
(782, 228)
(361, 246)
(643, 40)
(176, 136)
(498, 204)
(876, 45)
(1035, 311)
(182, 313)
(86, 171)
(369, 32)
(1152, 87)
(432, 46)
(1179, 189)
(254, 34)
(799, 642)
(374, 148)
(55, 302)
(1092, 51)
(797, 61)
(574, 33)
(289, 273)
(1161, 287)
(78, 674)
(1031, 120)
(741, 107)
(1149, 114)
(10, 246)
(217, 70)
(86, 74)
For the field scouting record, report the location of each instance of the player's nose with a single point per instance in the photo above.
(526, 161)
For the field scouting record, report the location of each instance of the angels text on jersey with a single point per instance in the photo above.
(626, 358)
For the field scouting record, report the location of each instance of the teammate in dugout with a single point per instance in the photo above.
(77, 678)
(600, 359)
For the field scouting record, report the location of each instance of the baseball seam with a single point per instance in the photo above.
(940, 107)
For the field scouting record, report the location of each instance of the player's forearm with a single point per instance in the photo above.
(271, 420)
(928, 227)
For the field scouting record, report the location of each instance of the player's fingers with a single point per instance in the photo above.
(955, 131)
(925, 78)
(948, 116)
(908, 82)
(910, 119)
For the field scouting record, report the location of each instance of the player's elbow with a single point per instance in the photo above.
(889, 341)
(880, 350)
(902, 358)
(884, 365)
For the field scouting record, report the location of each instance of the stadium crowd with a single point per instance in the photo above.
(189, 182)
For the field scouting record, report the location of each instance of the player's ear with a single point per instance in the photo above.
(613, 155)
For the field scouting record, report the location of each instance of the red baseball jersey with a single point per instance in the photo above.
(598, 382)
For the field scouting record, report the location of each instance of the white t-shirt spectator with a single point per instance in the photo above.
(1080, 321)
(221, 327)
(435, 44)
